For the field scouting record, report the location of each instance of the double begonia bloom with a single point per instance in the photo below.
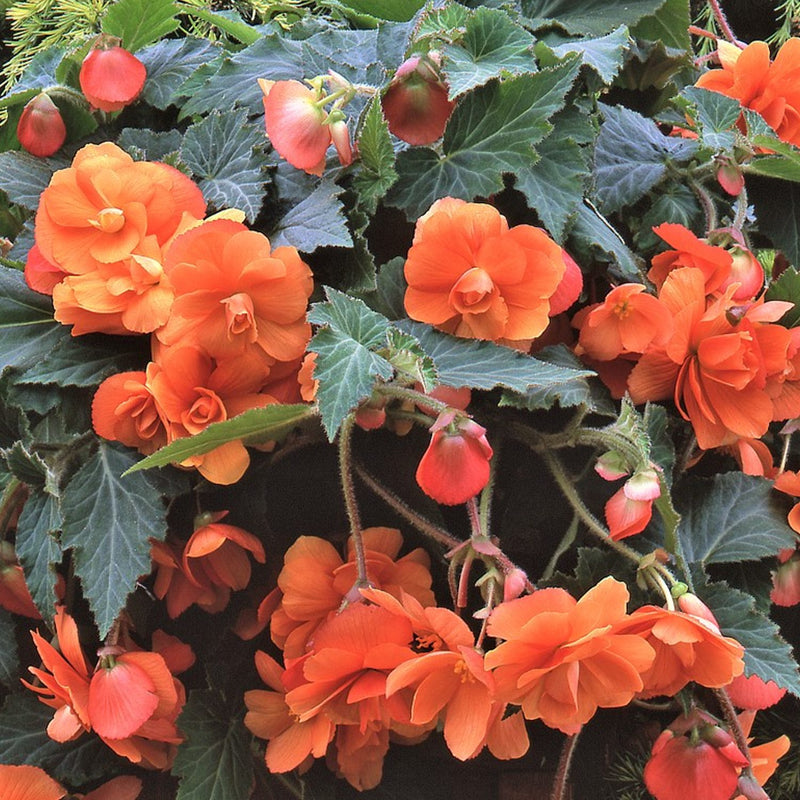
(472, 275)
(772, 88)
(41, 129)
(687, 648)
(456, 465)
(562, 659)
(100, 209)
(26, 782)
(299, 127)
(235, 294)
(315, 580)
(110, 76)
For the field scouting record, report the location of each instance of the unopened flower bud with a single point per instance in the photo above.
(111, 77)
(41, 129)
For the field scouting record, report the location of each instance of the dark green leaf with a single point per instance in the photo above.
(346, 366)
(785, 167)
(27, 327)
(766, 654)
(669, 25)
(24, 740)
(377, 173)
(214, 763)
(631, 157)
(25, 466)
(169, 63)
(108, 522)
(146, 145)
(787, 288)
(731, 517)
(409, 359)
(492, 46)
(777, 206)
(590, 17)
(39, 74)
(662, 448)
(485, 365)
(605, 55)
(258, 425)
(714, 111)
(38, 549)
(140, 22)
(235, 28)
(491, 131)
(9, 658)
(316, 221)
(24, 177)
(219, 150)
(398, 10)
(674, 202)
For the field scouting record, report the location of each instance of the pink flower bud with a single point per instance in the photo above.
(514, 584)
(746, 271)
(41, 130)
(730, 178)
(612, 466)
(691, 604)
(111, 77)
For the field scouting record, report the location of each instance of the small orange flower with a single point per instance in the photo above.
(772, 88)
(469, 274)
(754, 693)
(26, 782)
(111, 77)
(14, 593)
(234, 294)
(41, 129)
(562, 658)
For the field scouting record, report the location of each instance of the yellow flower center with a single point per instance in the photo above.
(109, 220)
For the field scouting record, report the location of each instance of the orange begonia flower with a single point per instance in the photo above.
(770, 88)
(40, 274)
(469, 274)
(14, 593)
(27, 782)
(687, 648)
(235, 294)
(754, 693)
(101, 208)
(562, 658)
(315, 580)
(110, 76)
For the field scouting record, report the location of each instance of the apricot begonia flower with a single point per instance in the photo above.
(299, 127)
(754, 693)
(687, 648)
(101, 208)
(234, 293)
(14, 593)
(111, 77)
(26, 782)
(315, 580)
(772, 88)
(472, 275)
(562, 659)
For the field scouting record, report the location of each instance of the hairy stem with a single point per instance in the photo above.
(722, 21)
(559, 791)
(350, 502)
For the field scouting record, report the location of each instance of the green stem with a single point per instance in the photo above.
(350, 502)
(412, 395)
(740, 214)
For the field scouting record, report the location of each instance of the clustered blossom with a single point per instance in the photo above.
(123, 247)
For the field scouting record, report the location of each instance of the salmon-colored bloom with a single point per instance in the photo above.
(472, 275)
(772, 88)
(630, 508)
(416, 105)
(27, 782)
(41, 129)
(40, 274)
(687, 648)
(754, 693)
(235, 294)
(110, 76)
(299, 127)
(763, 757)
(315, 580)
(455, 467)
(101, 208)
(562, 658)
(14, 593)
(786, 580)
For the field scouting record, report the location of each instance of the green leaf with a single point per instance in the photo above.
(108, 522)
(594, 564)
(140, 22)
(669, 25)
(239, 30)
(38, 549)
(662, 448)
(25, 466)
(24, 740)
(631, 157)
(589, 17)
(214, 763)
(766, 654)
(777, 206)
(554, 185)
(391, 289)
(9, 658)
(776, 166)
(592, 232)
(448, 23)
(376, 172)
(24, 177)
(316, 221)
(410, 360)
(491, 131)
(346, 366)
(731, 517)
(146, 145)
(715, 112)
(493, 46)
(674, 202)
(232, 79)
(787, 287)
(219, 150)
(396, 10)
(257, 425)
(27, 327)
(485, 365)
(169, 63)
(605, 55)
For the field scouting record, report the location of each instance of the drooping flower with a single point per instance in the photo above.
(630, 508)
(754, 693)
(772, 88)
(41, 129)
(472, 275)
(562, 659)
(455, 467)
(110, 76)
(763, 757)
(235, 294)
(14, 593)
(299, 127)
(416, 104)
